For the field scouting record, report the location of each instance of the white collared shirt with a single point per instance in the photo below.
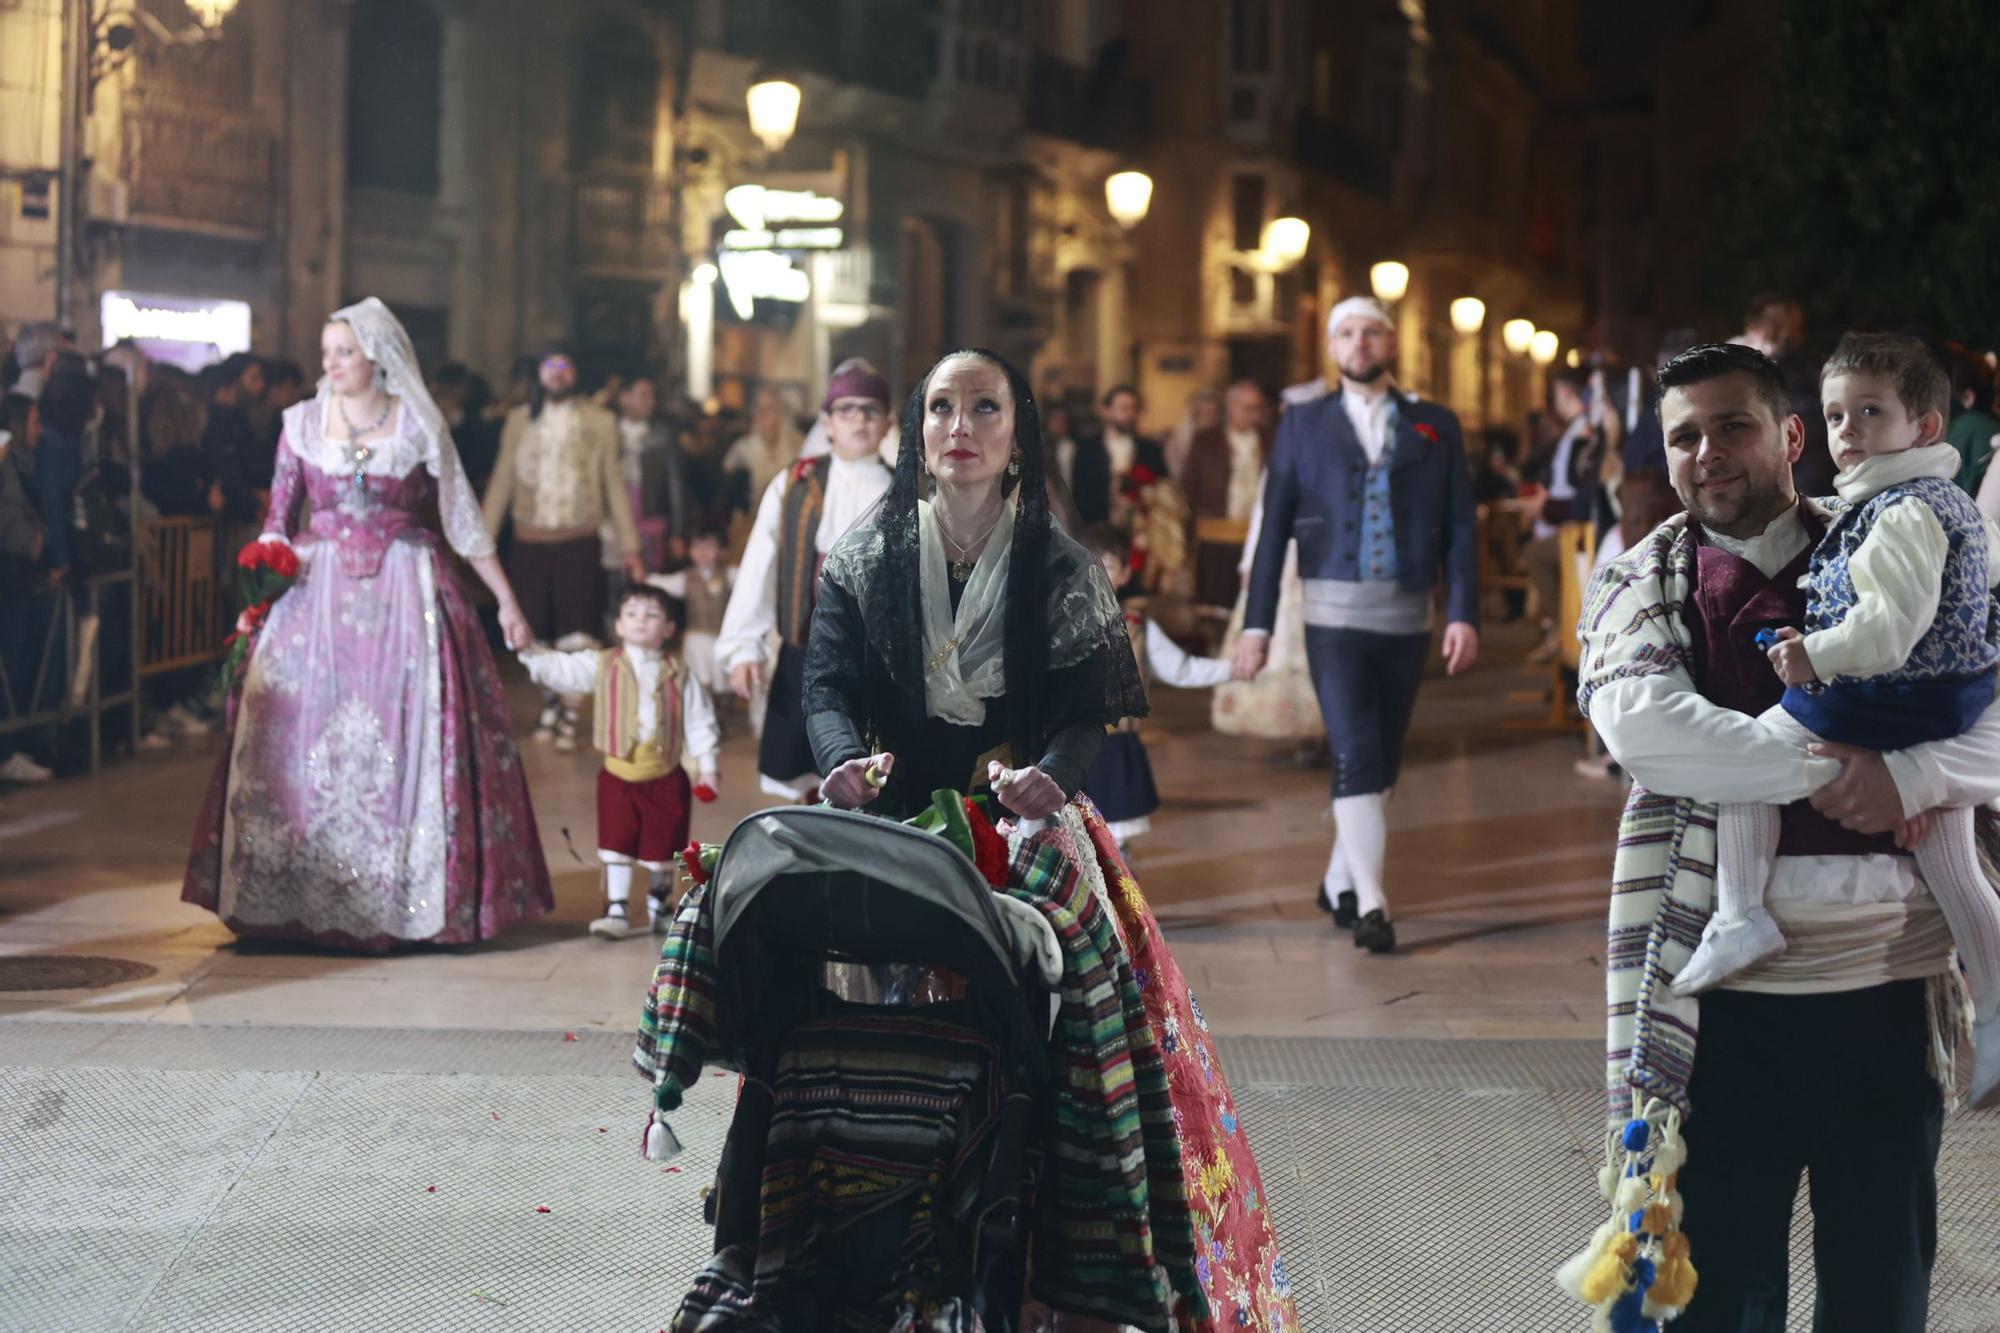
(1121, 449)
(852, 489)
(1370, 418)
(1246, 471)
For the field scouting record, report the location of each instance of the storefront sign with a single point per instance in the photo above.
(749, 276)
(221, 325)
(755, 257)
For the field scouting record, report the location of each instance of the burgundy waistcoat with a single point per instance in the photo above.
(1731, 601)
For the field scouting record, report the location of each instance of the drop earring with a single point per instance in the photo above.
(1014, 464)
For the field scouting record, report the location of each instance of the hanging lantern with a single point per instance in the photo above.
(210, 13)
(1467, 314)
(1544, 346)
(774, 111)
(1284, 242)
(1517, 334)
(1128, 195)
(1389, 280)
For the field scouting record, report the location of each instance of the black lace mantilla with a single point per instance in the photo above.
(877, 565)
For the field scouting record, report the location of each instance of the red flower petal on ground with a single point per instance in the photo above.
(542, 1209)
(569, 1036)
(989, 849)
(1428, 431)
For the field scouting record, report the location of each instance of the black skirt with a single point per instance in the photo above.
(784, 754)
(1121, 781)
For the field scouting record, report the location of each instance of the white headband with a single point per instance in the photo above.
(1362, 307)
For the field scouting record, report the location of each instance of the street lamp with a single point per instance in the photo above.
(1128, 195)
(774, 110)
(210, 13)
(1389, 280)
(1517, 334)
(1543, 347)
(1284, 242)
(1467, 314)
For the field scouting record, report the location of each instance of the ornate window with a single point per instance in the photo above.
(395, 81)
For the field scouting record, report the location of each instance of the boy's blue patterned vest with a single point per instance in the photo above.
(1377, 554)
(1964, 640)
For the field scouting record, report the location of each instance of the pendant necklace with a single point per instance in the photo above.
(961, 568)
(360, 452)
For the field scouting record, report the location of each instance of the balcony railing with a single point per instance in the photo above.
(201, 171)
(1068, 102)
(623, 222)
(1323, 146)
(895, 50)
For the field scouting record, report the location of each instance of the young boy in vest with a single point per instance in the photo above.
(703, 587)
(1900, 648)
(1121, 781)
(648, 713)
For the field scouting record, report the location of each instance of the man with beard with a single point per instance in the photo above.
(559, 478)
(1833, 1059)
(1374, 485)
(804, 510)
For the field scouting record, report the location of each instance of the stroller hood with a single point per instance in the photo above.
(886, 872)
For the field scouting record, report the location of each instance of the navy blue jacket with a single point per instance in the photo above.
(1313, 492)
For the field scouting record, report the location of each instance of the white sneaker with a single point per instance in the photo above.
(20, 768)
(615, 924)
(184, 720)
(156, 739)
(1985, 1091)
(545, 725)
(1727, 947)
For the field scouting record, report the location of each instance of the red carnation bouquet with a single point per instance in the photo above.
(264, 570)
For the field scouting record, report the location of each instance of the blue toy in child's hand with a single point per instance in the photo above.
(1767, 639)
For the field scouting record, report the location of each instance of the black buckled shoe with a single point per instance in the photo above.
(1345, 909)
(1375, 932)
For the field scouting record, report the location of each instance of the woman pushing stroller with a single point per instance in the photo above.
(959, 640)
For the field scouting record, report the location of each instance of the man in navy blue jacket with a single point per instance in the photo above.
(1374, 486)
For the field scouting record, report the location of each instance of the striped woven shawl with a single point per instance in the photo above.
(1663, 875)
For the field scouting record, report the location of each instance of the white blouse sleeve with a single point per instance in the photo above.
(1677, 743)
(1898, 574)
(458, 506)
(565, 673)
(753, 600)
(701, 737)
(1174, 666)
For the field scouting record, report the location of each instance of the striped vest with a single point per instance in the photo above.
(614, 722)
(798, 548)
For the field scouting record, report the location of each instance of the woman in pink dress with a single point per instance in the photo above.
(369, 793)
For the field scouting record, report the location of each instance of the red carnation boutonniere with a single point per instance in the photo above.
(1428, 431)
(802, 469)
(989, 849)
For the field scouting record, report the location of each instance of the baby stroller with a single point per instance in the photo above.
(878, 1171)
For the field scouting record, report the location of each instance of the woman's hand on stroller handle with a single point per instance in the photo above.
(1028, 792)
(858, 781)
